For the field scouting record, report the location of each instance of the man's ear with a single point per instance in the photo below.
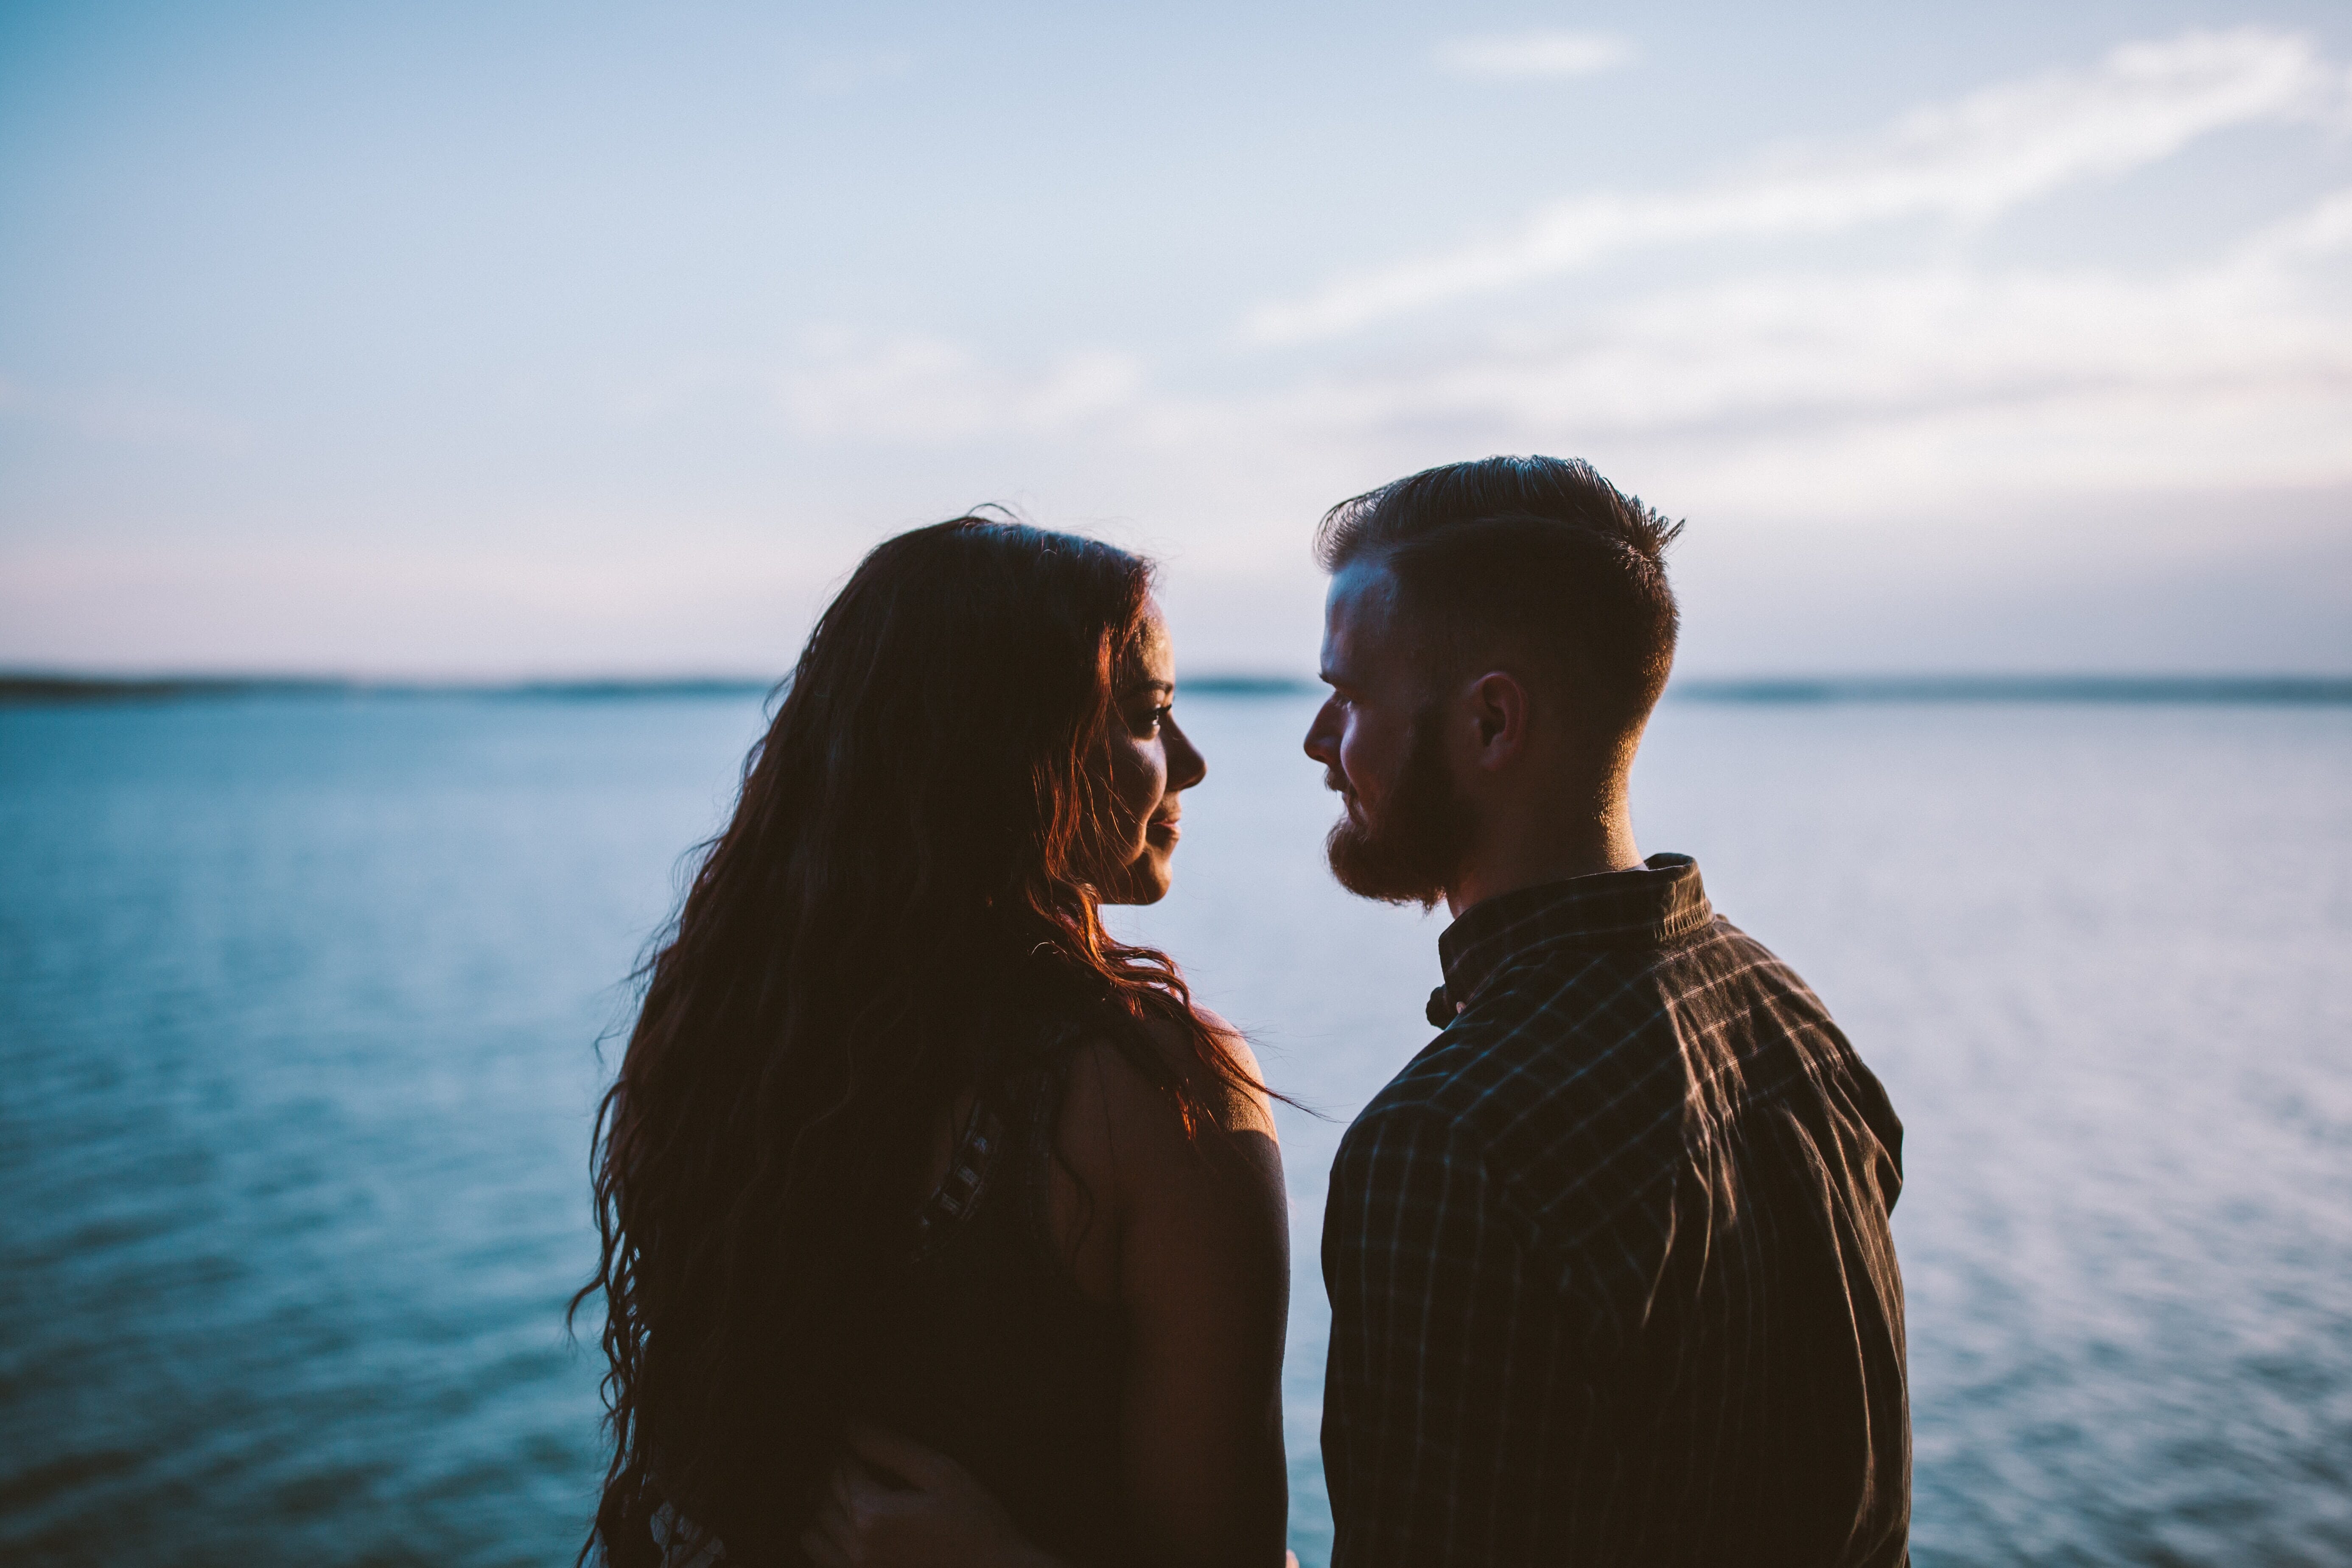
(1500, 709)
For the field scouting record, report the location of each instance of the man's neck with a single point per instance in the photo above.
(1553, 852)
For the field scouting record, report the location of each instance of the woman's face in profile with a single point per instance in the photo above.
(1152, 764)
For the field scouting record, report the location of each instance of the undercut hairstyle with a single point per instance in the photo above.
(1538, 555)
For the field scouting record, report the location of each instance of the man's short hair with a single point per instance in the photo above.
(1539, 554)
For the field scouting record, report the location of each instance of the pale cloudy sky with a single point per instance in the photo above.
(533, 338)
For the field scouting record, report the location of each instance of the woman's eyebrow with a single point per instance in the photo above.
(1167, 686)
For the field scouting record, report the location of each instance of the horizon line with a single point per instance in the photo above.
(52, 687)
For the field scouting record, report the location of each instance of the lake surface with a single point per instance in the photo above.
(299, 999)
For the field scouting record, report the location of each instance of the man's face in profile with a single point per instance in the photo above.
(1380, 737)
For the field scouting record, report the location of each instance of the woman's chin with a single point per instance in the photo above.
(1145, 880)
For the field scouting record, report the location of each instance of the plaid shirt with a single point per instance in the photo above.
(1609, 1272)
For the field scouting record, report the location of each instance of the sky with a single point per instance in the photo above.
(511, 338)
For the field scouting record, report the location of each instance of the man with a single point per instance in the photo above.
(1609, 1263)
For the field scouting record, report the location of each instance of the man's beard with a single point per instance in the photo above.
(1412, 848)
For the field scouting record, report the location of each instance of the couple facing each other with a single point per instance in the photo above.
(942, 1227)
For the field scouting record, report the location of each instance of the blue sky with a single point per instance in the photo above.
(528, 339)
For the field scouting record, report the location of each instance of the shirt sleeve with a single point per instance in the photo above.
(1438, 1341)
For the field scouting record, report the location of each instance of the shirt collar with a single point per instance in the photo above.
(1661, 901)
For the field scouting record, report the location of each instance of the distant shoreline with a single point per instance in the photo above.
(47, 689)
(2102, 689)
(50, 689)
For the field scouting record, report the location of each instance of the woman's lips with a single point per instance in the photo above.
(1162, 830)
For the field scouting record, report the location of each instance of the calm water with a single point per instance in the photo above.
(299, 1001)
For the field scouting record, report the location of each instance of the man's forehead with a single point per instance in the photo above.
(1358, 613)
(1363, 594)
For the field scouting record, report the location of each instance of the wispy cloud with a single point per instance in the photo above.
(1881, 393)
(1792, 349)
(1968, 159)
(1546, 53)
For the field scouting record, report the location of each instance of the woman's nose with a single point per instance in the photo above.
(1186, 767)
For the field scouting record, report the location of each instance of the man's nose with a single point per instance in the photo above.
(1319, 736)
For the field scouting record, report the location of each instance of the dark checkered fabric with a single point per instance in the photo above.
(1610, 1270)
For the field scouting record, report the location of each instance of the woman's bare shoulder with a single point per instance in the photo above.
(1121, 1120)
(1236, 1097)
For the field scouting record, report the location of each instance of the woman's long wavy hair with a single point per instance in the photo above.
(916, 850)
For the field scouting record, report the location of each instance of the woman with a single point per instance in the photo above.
(904, 1140)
